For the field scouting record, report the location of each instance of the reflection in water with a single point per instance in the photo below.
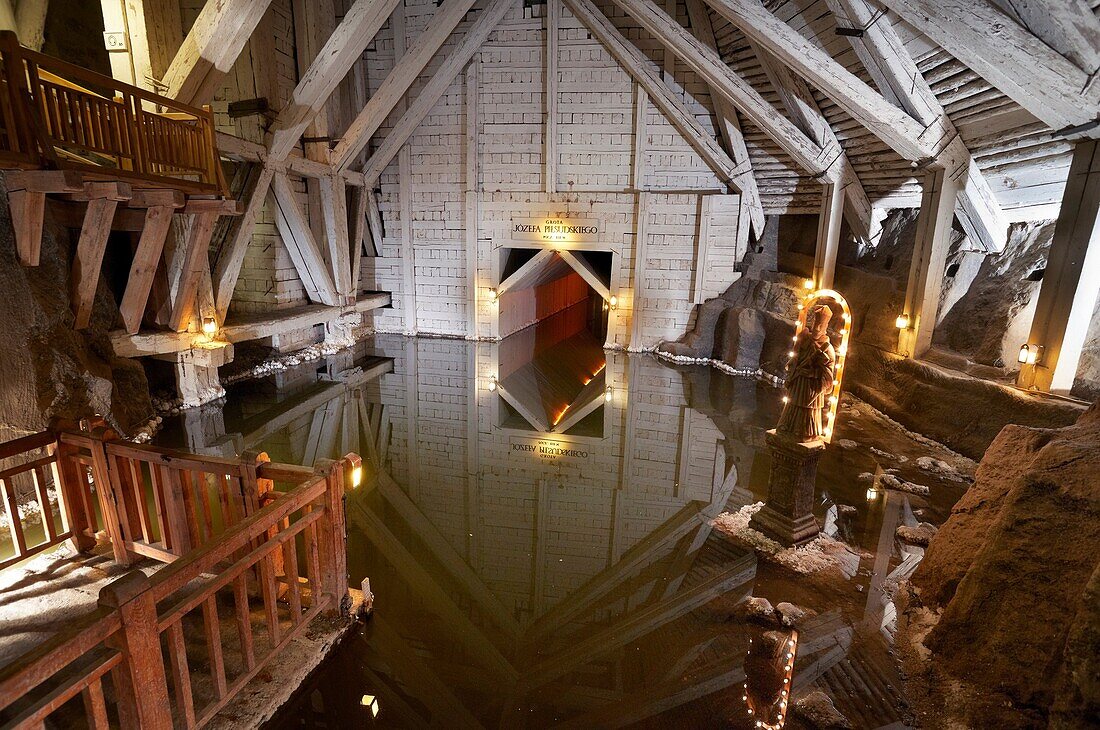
(532, 568)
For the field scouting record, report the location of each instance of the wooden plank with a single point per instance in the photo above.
(719, 76)
(550, 135)
(195, 262)
(181, 675)
(92, 245)
(431, 93)
(304, 253)
(28, 210)
(728, 124)
(211, 47)
(670, 104)
(357, 29)
(158, 221)
(231, 257)
(334, 213)
(398, 82)
(1008, 56)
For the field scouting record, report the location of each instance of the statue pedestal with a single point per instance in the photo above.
(787, 517)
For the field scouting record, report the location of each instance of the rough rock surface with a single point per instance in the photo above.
(991, 320)
(759, 611)
(51, 369)
(1014, 570)
(963, 413)
(919, 535)
(818, 712)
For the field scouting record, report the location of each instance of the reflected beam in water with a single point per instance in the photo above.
(412, 412)
(635, 625)
(827, 635)
(419, 580)
(413, 671)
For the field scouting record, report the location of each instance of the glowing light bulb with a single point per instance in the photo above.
(902, 322)
(808, 284)
(1024, 352)
(492, 295)
(613, 301)
(790, 354)
(607, 394)
(786, 399)
(492, 384)
(209, 326)
(356, 476)
(794, 339)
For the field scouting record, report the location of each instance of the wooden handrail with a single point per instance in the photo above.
(123, 636)
(51, 115)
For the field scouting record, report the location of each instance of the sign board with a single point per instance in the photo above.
(547, 449)
(115, 40)
(556, 230)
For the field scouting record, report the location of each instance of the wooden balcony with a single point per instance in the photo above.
(56, 115)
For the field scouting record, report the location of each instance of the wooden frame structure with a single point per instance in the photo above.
(230, 539)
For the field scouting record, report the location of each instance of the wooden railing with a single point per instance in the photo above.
(52, 116)
(252, 582)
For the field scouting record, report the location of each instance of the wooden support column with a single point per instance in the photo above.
(404, 192)
(550, 128)
(300, 244)
(162, 204)
(27, 200)
(231, 257)
(473, 212)
(1071, 283)
(196, 260)
(103, 199)
(335, 214)
(641, 136)
(641, 237)
(930, 250)
(828, 234)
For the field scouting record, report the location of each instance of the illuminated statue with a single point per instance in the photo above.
(810, 379)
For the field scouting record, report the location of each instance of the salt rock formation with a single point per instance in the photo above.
(1015, 571)
(65, 373)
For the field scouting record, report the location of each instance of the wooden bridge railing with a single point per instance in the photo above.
(56, 114)
(259, 576)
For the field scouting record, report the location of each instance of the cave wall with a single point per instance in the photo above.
(50, 369)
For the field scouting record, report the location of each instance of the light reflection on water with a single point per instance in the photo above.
(539, 565)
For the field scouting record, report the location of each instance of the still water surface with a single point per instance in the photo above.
(535, 525)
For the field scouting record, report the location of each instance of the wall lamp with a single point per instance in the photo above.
(902, 322)
(1030, 355)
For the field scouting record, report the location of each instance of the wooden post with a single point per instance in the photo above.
(141, 688)
(109, 498)
(332, 536)
(828, 234)
(103, 199)
(1071, 282)
(69, 483)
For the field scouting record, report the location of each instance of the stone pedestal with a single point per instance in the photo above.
(787, 517)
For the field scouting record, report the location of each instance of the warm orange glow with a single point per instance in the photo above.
(560, 415)
(841, 351)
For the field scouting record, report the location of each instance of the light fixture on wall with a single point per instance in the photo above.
(209, 326)
(1030, 355)
(492, 295)
(808, 284)
(902, 322)
(492, 383)
(613, 302)
(607, 394)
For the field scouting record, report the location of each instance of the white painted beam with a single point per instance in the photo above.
(399, 81)
(227, 268)
(728, 124)
(904, 134)
(211, 48)
(444, 76)
(1068, 26)
(1008, 56)
(357, 29)
(718, 75)
(1071, 283)
(803, 110)
(296, 235)
(892, 68)
(638, 66)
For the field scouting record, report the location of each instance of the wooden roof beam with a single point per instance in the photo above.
(894, 71)
(904, 134)
(358, 28)
(726, 114)
(211, 48)
(447, 72)
(713, 70)
(399, 81)
(1068, 26)
(1008, 56)
(807, 116)
(737, 174)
